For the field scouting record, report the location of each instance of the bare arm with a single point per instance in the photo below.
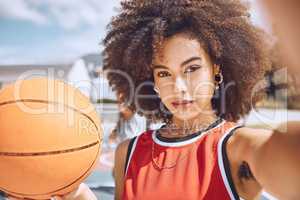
(120, 159)
(274, 158)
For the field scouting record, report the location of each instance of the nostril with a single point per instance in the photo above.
(180, 85)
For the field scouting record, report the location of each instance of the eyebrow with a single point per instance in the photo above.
(181, 65)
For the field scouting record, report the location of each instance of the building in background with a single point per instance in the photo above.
(85, 74)
(11, 73)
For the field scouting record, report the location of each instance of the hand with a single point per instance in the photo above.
(12, 198)
(83, 192)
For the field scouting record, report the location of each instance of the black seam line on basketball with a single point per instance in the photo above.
(51, 102)
(88, 170)
(49, 152)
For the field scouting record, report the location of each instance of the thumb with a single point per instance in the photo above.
(56, 198)
(68, 196)
(12, 198)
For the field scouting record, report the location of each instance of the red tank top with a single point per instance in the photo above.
(191, 169)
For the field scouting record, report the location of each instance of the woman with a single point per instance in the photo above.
(195, 65)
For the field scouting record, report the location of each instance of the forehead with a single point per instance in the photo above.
(178, 48)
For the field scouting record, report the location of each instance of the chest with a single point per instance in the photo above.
(191, 172)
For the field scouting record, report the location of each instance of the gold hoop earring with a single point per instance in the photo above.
(219, 80)
(156, 90)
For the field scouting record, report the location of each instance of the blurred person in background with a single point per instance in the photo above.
(129, 124)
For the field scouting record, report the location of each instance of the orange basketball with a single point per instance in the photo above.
(50, 138)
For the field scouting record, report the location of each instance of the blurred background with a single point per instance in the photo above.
(62, 38)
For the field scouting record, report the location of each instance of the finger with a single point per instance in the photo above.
(13, 198)
(56, 198)
(67, 196)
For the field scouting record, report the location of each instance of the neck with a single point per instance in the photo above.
(199, 122)
(186, 127)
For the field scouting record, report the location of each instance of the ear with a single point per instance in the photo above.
(216, 69)
(156, 90)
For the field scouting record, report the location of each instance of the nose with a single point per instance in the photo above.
(180, 85)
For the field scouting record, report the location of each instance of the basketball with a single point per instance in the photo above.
(50, 138)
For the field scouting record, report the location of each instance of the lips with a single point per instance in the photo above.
(182, 103)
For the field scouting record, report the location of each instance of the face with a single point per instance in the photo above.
(183, 75)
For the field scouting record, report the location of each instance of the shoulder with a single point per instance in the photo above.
(121, 150)
(245, 137)
(244, 146)
(241, 147)
(245, 140)
(118, 171)
(120, 159)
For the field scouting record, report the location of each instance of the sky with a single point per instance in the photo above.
(59, 31)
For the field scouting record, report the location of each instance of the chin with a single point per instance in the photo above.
(186, 115)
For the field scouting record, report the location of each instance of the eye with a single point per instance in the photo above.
(163, 74)
(192, 68)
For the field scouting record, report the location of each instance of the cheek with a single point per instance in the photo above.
(202, 85)
(167, 96)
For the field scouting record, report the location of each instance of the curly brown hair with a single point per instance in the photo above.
(222, 26)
